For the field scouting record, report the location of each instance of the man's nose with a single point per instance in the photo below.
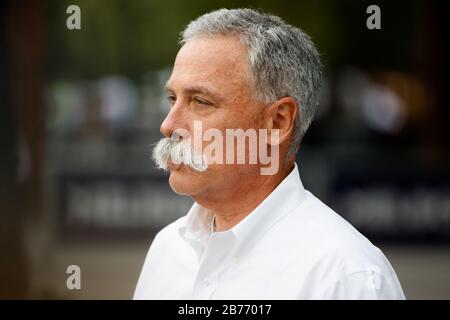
(175, 121)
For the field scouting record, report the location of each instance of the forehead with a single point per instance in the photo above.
(220, 62)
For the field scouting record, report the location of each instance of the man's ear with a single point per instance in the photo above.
(281, 115)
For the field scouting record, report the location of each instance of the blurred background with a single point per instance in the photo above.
(80, 110)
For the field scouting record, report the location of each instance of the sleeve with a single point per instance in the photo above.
(364, 285)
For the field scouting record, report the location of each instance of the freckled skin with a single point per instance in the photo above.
(220, 64)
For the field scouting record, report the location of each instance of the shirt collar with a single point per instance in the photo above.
(284, 198)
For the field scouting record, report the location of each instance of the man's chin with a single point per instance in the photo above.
(181, 181)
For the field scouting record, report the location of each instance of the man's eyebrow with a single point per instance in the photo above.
(167, 87)
(196, 89)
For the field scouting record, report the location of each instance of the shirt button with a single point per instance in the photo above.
(207, 282)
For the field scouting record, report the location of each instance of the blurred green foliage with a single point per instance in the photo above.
(131, 37)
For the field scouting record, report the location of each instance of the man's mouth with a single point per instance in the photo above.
(173, 166)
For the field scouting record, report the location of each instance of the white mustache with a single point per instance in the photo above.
(179, 152)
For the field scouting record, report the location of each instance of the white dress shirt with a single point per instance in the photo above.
(292, 246)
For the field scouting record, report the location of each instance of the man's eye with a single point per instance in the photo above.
(201, 101)
(172, 100)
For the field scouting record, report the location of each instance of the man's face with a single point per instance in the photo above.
(209, 83)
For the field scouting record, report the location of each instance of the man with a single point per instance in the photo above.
(251, 234)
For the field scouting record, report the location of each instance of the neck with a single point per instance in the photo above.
(245, 198)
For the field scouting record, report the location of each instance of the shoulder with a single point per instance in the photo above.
(329, 233)
(166, 235)
(333, 251)
(352, 266)
(156, 264)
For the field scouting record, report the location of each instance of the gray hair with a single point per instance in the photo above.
(283, 60)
